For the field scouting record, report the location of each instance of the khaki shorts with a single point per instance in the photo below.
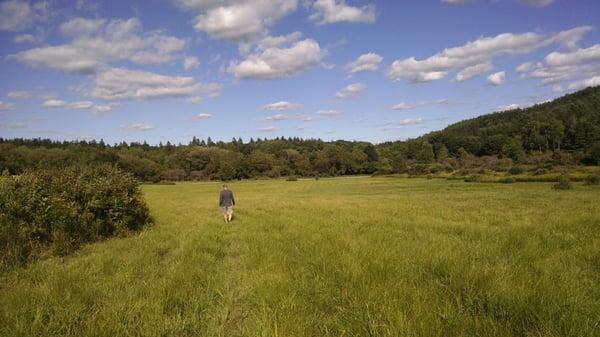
(227, 210)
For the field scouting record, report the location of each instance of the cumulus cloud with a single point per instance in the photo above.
(333, 11)
(473, 53)
(121, 84)
(328, 113)
(589, 82)
(563, 66)
(137, 127)
(19, 94)
(401, 124)
(190, 63)
(278, 62)
(365, 62)
(238, 20)
(408, 106)
(472, 71)
(97, 42)
(497, 78)
(351, 91)
(81, 105)
(17, 15)
(6, 106)
(201, 116)
(282, 106)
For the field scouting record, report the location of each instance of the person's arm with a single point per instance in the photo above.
(232, 200)
(220, 199)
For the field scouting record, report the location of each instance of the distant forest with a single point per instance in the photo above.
(563, 132)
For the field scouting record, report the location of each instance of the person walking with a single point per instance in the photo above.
(226, 202)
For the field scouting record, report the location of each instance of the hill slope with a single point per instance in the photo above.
(571, 122)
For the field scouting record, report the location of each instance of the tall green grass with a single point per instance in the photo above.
(333, 257)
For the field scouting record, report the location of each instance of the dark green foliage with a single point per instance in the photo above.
(563, 183)
(514, 170)
(57, 210)
(292, 178)
(592, 179)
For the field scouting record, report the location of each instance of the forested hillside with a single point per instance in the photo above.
(565, 131)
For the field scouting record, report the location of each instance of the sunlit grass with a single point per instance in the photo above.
(333, 257)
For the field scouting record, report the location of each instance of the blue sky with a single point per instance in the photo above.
(359, 70)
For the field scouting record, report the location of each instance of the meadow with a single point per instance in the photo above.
(331, 257)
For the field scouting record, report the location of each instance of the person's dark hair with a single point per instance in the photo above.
(224, 185)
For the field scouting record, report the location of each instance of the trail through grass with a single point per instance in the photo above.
(334, 257)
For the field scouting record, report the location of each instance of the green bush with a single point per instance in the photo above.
(57, 210)
(592, 179)
(516, 170)
(508, 180)
(292, 178)
(563, 183)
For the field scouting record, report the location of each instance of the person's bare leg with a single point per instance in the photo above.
(229, 216)
(225, 216)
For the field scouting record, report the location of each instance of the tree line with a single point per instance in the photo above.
(565, 131)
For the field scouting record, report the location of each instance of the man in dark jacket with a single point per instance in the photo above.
(226, 202)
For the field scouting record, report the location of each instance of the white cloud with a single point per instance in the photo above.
(408, 106)
(410, 121)
(6, 106)
(282, 106)
(19, 94)
(97, 42)
(137, 127)
(351, 91)
(201, 116)
(328, 113)
(473, 53)
(81, 105)
(269, 129)
(27, 38)
(122, 84)
(473, 71)
(54, 103)
(18, 15)
(271, 42)
(563, 66)
(589, 82)
(365, 62)
(239, 20)
(278, 62)
(190, 63)
(569, 39)
(524, 67)
(497, 78)
(333, 11)
(507, 107)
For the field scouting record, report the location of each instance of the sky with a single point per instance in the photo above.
(373, 70)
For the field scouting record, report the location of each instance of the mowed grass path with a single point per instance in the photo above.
(334, 257)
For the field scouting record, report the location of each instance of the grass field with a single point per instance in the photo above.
(333, 257)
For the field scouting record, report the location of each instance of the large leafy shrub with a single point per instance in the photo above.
(56, 210)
